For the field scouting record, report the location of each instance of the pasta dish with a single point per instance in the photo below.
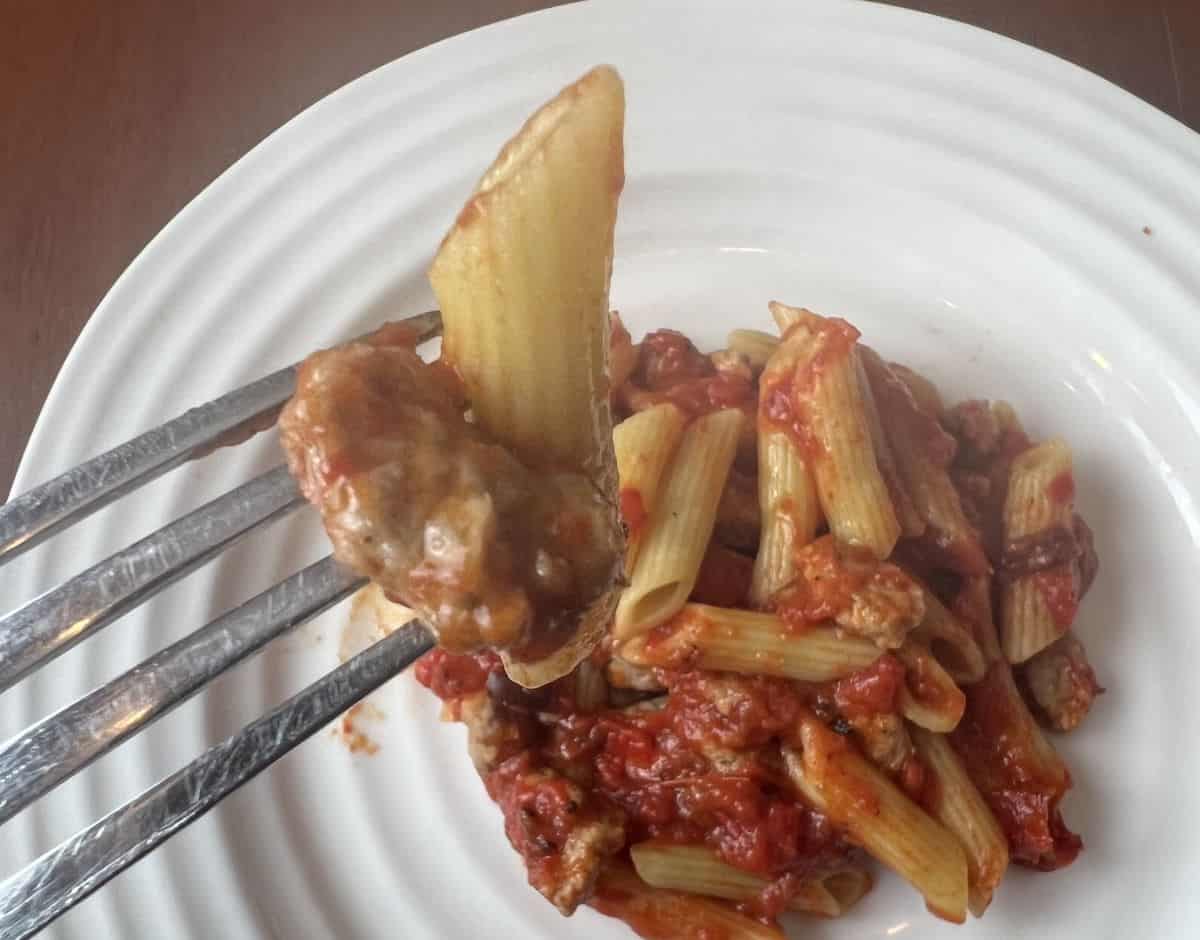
(722, 627)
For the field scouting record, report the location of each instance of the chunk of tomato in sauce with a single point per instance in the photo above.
(454, 675)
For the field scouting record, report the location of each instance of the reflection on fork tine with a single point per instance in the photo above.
(51, 624)
(48, 887)
(37, 760)
(57, 747)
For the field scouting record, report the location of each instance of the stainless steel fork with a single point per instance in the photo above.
(43, 756)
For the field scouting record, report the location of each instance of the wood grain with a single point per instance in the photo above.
(115, 113)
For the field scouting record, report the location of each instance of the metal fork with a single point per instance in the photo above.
(43, 756)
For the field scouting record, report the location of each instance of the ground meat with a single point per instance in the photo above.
(848, 585)
(1060, 684)
(884, 739)
(451, 524)
(494, 733)
(563, 835)
(976, 427)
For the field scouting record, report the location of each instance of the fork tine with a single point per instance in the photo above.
(51, 624)
(54, 749)
(49, 886)
(234, 417)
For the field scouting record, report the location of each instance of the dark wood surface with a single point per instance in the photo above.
(115, 113)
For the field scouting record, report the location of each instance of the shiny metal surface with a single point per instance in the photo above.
(51, 624)
(225, 421)
(49, 886)
(57, 747)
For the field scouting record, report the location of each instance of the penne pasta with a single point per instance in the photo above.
(791, 514)
(912, 524)
(923, 391)
(696, 869)
(826, 399)
(522, 282)
(791, 651)
(680, 525)
(787, 492)
(1024, 780)
(950, 641)
(644, 444)
(755, 345)
(922, 450)
(839, 782)
(528, 328)
(1040, 499)
(666, 915)
(953, 800)
(929, 698)
(743, 641)
(785, 316)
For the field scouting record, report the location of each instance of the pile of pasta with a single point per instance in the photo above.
(890, 527)
(848, 609)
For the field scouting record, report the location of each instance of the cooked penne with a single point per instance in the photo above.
(923, 391)
(929, 698)
(696, 869)
(680, 525)
(922, 451)
(644, 444)
(755, 345)
(788, 653)
(956, 804)
(787, 492)
(826, 398)
(784, 316)
(666, 915)
(527, 328)
(743, 641)
(840, 783)
(1023, 780)
(791, 514)
(912, 524)
(1036, 609)
(951, 642)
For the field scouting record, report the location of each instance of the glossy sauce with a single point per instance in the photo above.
(1021, 787)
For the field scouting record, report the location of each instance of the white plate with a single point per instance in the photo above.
(1013, 225)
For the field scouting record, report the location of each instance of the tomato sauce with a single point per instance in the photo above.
(657, 766)
(633, 510)
(453, 675)
(1062, 488)
(872, 690)
(1022, 784)
(785, 396)
(830, 574)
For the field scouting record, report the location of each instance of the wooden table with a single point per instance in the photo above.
(115, 113)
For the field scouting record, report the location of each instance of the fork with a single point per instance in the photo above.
(52, 750)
